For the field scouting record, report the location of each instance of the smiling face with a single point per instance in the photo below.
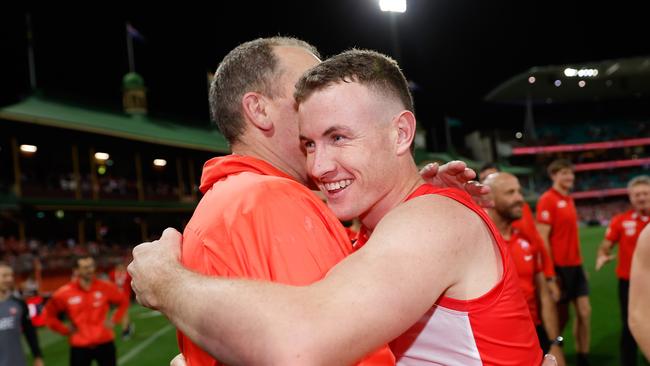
(346, 132)
(564, 179)
(86, 268)
(508, 199)
(640, 197)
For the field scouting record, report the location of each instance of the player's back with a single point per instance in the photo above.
(255, 222)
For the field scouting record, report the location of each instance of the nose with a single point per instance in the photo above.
(320, 163)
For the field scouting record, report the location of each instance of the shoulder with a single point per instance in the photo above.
(618, 219)
(63, 291)
(546, 197)
(434, 216)
(246, 189)
(18, 301)
(103, 285)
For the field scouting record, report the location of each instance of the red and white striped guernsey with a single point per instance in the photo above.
(494, 329)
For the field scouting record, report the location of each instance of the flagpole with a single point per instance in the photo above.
(30, 53)
(129, 46)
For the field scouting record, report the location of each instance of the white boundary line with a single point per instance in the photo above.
(136, 350)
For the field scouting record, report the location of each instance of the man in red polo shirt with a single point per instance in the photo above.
(558, 226)
(86, 302)
(527, 255)
(624, 230)
(527, 226)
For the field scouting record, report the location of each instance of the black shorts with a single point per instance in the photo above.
(573, 282)
(103, 353)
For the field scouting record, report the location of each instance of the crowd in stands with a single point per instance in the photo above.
(589, 131)
(64, 185)
(57, 255)
(594, 213)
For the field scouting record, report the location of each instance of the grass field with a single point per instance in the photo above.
(154, 342)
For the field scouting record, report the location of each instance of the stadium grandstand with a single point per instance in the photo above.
(78, 180)
(591, 113)
(94, 162)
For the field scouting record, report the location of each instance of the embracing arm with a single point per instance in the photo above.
(456, 174)
(316, 324)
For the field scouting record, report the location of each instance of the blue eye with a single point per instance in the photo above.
(337, 138)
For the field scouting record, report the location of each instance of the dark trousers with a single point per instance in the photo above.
(103, 353)
(628, 347)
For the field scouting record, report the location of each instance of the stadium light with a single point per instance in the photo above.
(582, 83)
(571, 72)
(395, 6)
(28, 148)
(102, 156)
(557, 82)
(159, 162)
(531, 80)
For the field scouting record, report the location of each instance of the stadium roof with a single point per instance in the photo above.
(39, 110)
(588, 81)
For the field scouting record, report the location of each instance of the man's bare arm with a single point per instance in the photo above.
(604, 255)
(367, 300)
(545, 233)
(639, 306)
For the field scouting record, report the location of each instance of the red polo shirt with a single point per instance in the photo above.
(624, 229)
(559, 211)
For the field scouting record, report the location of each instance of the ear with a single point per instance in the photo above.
(405, 126)
(255, 109)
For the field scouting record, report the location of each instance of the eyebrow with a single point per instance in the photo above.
(330, 130)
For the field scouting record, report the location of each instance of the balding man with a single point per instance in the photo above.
(508, 207)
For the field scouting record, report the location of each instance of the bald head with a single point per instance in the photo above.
(506, 194)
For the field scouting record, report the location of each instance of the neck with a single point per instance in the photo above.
(560, 189)
(643, 212)
(84, 283)
(503, 225)
(261, 151)
(396, 194)
(4, 295)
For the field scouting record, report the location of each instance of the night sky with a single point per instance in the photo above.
(455, 51)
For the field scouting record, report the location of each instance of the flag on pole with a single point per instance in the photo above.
(134, 33)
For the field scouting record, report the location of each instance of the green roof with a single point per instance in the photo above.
(39, 110)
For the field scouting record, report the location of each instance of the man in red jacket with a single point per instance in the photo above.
(86, 302)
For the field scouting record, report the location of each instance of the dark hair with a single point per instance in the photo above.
(251, 66)
(489, 165)
(77, 258)
(370, 68)
(557, 165)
